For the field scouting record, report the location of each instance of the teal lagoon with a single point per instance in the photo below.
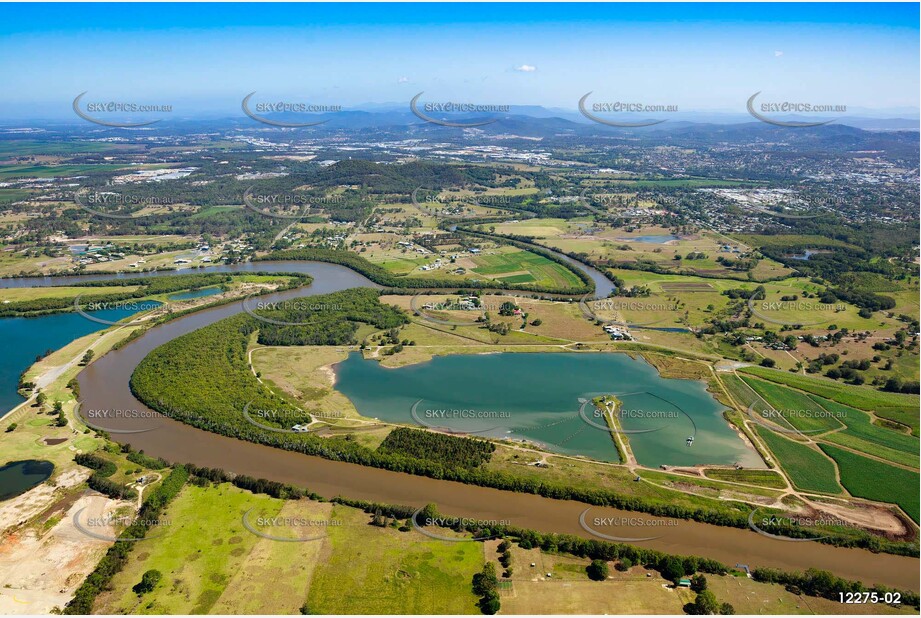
(537, 398)
(195, 294)
(25, 339)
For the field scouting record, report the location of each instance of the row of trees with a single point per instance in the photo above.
(282, 491)
(818, 583)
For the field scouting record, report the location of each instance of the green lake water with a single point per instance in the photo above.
(537, 398)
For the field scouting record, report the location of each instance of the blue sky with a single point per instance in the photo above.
(698, 57)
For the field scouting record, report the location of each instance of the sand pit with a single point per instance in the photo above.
(40, 569)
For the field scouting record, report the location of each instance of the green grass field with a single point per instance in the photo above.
(370, 570)
(755, 598)
(874, 480)
(211, 563)
(23, 294)
(808, 469)
(401, 266)
(274, 565)
(536, 228)
(198, 553)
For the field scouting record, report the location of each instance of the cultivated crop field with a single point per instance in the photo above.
(874, 480)
(894, 406)
(807, 468)
(766, 478)
(518, 266)
(862, 435)
(796, 408)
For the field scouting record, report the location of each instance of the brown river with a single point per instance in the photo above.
(104, 385)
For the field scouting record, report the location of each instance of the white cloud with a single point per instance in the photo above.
(403, 80)
(778, 54)
(526, 68)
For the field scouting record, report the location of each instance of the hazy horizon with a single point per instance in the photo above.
(203, 59)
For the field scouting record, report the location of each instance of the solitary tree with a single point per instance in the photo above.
(148, 581)
(597, 570)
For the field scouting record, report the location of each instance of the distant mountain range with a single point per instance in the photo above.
(860, 118)
(530, 118)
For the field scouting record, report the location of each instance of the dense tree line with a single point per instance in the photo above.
(282, 491)
(212, 383)
(99, 479)
(817, 583)
(859, 298)
(150, 463)
(486, 586)
(103, 467)
(451, 450)
(203, 379)
(114, 490)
